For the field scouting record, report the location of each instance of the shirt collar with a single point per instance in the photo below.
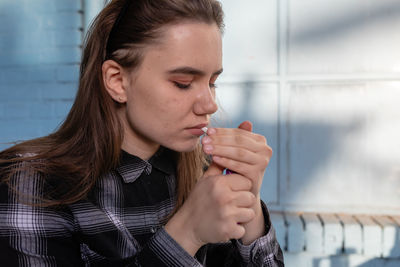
(132, 167)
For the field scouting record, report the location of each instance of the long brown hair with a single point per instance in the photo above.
(87, 144)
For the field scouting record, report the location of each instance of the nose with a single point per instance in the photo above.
(205, 101)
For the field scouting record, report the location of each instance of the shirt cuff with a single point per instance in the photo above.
(263, 249)
(169, 251)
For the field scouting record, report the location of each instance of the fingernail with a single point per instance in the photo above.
(206, 140)
(211, 131)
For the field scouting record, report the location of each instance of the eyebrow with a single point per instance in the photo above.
(191, 71)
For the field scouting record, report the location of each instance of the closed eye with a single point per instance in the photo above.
(182, 85)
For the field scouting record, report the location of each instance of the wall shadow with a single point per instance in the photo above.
(347, 21)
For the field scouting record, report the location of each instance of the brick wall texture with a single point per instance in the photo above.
(40, 50)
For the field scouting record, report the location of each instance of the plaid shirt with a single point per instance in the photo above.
(120, 223)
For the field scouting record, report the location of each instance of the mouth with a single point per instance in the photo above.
(197, 130)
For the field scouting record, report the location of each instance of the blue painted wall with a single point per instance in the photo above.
(40, 50)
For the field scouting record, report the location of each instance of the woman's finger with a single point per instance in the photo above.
(247, 170)
(244, 215)
(238, 183)
(234, 131)
(235, 153)
(237, 231)
(233, 140)
(246, 125)
(243, 199)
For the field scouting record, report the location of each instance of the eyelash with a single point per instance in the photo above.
(187, 86)
(182, 85)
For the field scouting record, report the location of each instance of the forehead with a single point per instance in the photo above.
(190, 43)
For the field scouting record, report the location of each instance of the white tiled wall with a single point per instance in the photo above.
(321, 79)
(342, 36)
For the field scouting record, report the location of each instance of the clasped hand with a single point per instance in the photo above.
(239, 150)
(221, 206)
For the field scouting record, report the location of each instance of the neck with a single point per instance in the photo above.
(134, 143)
(139, 150)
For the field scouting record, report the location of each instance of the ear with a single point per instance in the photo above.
(113, 79)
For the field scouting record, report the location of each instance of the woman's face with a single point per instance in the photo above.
(171, 95)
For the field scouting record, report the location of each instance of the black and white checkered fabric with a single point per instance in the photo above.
(120, 223)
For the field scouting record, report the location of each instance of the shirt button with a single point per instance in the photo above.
(153, 229)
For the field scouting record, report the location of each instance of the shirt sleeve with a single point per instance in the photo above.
(163, 250)
(264, 251)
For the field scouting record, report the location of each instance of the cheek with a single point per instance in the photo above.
(175, 105)
(170, 111)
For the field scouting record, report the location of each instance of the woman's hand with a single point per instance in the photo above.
(215, 211)
(244, 153)
(240, 151)
(223, 207)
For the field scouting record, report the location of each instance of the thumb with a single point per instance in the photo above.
(246, 125)
(213, 169)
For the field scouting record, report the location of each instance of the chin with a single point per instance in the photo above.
(186, 146)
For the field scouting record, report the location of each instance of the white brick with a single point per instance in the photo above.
(353, 235)
(372, 236)
(333, 234)
(313, 233)
(390, 230)
(296, 237)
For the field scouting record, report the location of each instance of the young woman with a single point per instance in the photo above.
(125, 181)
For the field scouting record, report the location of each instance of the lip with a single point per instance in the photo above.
(196, 130)
(199, 126)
